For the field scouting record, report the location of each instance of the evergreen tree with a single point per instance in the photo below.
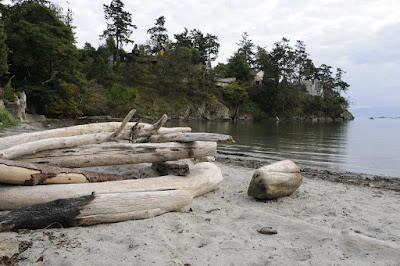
(44, 59)
(159, 35)
(246, 48)
(3, 52)
(121, 22)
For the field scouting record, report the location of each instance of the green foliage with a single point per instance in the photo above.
(121, 22)
(159, 35)
(7, 119)
(238, 67)
(121, 98)
(8, 91)
(3, 52)
(44, 59)
(246, 48)
(235, 94)
(207, 45)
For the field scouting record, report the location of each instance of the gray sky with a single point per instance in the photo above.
(361, 37)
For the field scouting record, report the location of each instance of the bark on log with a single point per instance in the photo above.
(95, 208)
(22, 173)
(122, 153)
(203, 178)
(146, 129)
(172, 168)
(188, 137)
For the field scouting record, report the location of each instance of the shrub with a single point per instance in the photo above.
(7, 119)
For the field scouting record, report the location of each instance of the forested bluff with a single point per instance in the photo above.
(165, 75)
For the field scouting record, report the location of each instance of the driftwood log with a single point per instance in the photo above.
(144, 129)
(122, 153)
(95, 208)
(187, 137)
(22, 173)
(33, 147)
(203, 178)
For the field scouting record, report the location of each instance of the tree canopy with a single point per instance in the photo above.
(121, 22)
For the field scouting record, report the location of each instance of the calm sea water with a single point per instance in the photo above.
(362, 145)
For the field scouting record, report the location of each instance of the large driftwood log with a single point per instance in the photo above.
(145, 130)
(86, 139)
(95, 208)
(122, 153)
(22, 173)
(203, 178)
(188, 137)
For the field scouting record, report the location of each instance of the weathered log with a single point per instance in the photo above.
(172, 168)
(95, 208)
(122, 153)
(188, 137)
(203, 178)
(95, 128)
(22, 173)
(75, 141)
(275, 180)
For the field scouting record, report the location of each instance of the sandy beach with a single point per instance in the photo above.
(322, 223)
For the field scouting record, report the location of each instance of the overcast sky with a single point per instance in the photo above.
(360, 36)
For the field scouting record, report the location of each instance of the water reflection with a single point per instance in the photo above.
(359, 145)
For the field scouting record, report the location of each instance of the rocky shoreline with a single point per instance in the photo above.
(351, 178)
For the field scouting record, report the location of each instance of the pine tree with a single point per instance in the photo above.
(159, 35)
(121, 22)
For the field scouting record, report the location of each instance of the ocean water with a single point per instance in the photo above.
(362, 145)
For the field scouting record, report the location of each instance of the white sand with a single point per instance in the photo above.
(322, 223)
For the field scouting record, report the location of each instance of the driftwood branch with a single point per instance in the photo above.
(123, 124)
(122, 153)
(22, 173)
(95, 208)
(203, 178)
(11, 141)
(141, 130)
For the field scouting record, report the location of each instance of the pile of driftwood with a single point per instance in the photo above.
(41, 186)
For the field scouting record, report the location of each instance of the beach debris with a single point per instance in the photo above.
(267, 231)
(55, 194)
(213, 210)
(275, 180)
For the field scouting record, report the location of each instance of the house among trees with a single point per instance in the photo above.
(313, 86)
(223, 82)
(258, 78)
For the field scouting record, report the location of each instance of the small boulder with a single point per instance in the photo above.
(275, 180)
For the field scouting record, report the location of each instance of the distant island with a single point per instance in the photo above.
(165, 75)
